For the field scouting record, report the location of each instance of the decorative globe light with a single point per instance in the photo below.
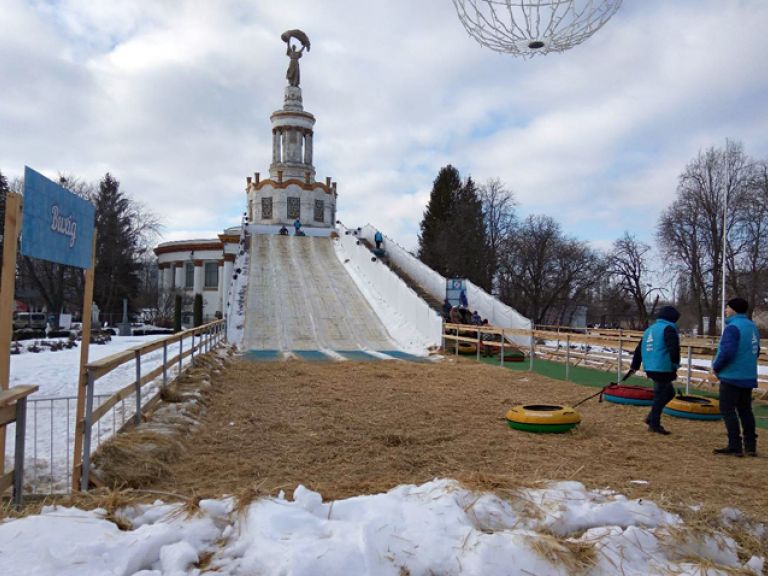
(527, 28)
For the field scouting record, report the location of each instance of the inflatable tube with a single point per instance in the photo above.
(542, 418)
(694, 408)
(626, 394)
(467, 348)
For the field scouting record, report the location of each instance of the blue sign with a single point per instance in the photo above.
(57, 225)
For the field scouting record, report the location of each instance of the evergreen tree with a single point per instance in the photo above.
(118, 247)
(177, 313)
(434, 240)
(453, 235)
(197, 311)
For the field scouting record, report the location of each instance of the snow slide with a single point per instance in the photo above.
(301, 298)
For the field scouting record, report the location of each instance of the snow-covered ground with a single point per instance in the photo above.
(436, 528)
(51, 410)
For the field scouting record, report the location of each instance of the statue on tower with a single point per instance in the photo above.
(294, 53)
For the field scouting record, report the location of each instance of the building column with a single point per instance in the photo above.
(275, 145)
(308, 148)
(179, 274)
(168, 277)
(198, 283)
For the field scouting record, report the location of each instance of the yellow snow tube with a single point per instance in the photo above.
(694, 407)
(467, 348)
(542, 418)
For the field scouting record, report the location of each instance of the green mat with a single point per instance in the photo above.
(597, 379)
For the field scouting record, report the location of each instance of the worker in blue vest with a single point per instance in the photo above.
(378, 238)
(735, 366)
(659, 353)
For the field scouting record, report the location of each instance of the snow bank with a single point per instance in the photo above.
(408, 319)
(235, 312)
(435, 528)
(498, 313)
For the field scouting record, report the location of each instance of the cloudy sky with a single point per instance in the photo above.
(173, 98)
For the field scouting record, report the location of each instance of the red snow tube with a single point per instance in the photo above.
(625, 394)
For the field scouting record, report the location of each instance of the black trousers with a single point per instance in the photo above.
(663, 392)
(736, 406)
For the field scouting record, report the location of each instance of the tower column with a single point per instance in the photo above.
(275, 145)
(308, 148)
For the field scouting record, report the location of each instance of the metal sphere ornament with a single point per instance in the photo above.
(531, 27)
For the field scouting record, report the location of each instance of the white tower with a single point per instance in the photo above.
(291, 191)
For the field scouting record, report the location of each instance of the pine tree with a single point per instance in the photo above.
(434, 240)
(177, 313)
(469, 256)
(117, 250)
(453, 235)
(197, 310)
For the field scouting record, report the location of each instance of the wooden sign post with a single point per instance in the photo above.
(13, 203)
(82, 381)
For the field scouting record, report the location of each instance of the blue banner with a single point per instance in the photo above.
(56, 225)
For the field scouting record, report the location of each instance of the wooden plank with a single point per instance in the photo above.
(6, 481)
(85, 344)
(121, 394)
(13, 395)
(7, 414)
(11, 228)
(105, 365)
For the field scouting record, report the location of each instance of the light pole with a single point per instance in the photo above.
(725, 239)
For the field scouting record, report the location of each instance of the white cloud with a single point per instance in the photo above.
(174, 99)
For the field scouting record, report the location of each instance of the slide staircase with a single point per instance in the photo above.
(434, 303)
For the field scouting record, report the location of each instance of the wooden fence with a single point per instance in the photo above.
(607, 350)
(203, 339)
(13, 409)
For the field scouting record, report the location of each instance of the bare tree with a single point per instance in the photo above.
(545, 274)
(748, 254)
(690, 231)
(500, 220)
(628, 268)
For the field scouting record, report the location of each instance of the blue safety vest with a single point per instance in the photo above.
(744, 364)
(654, 349)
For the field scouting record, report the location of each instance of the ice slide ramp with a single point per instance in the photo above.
(301, 298)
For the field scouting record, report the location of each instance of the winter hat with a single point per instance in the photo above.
(738, 305)
(669, 313)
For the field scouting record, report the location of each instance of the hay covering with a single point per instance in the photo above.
(349, 428)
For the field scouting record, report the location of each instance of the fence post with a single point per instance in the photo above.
(18, 457)
(192, 361)
(478, 345)
(181, 354)
(87, 431)
(503, 345)
(532, 351)
(165, 362)
(567, 357)
(456, 342)
(688, 379)
(618, 360)
(137, 416)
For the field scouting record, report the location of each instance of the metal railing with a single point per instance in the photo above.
(203, 339)
(51, 421)
(604, 351)
(51, 436)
